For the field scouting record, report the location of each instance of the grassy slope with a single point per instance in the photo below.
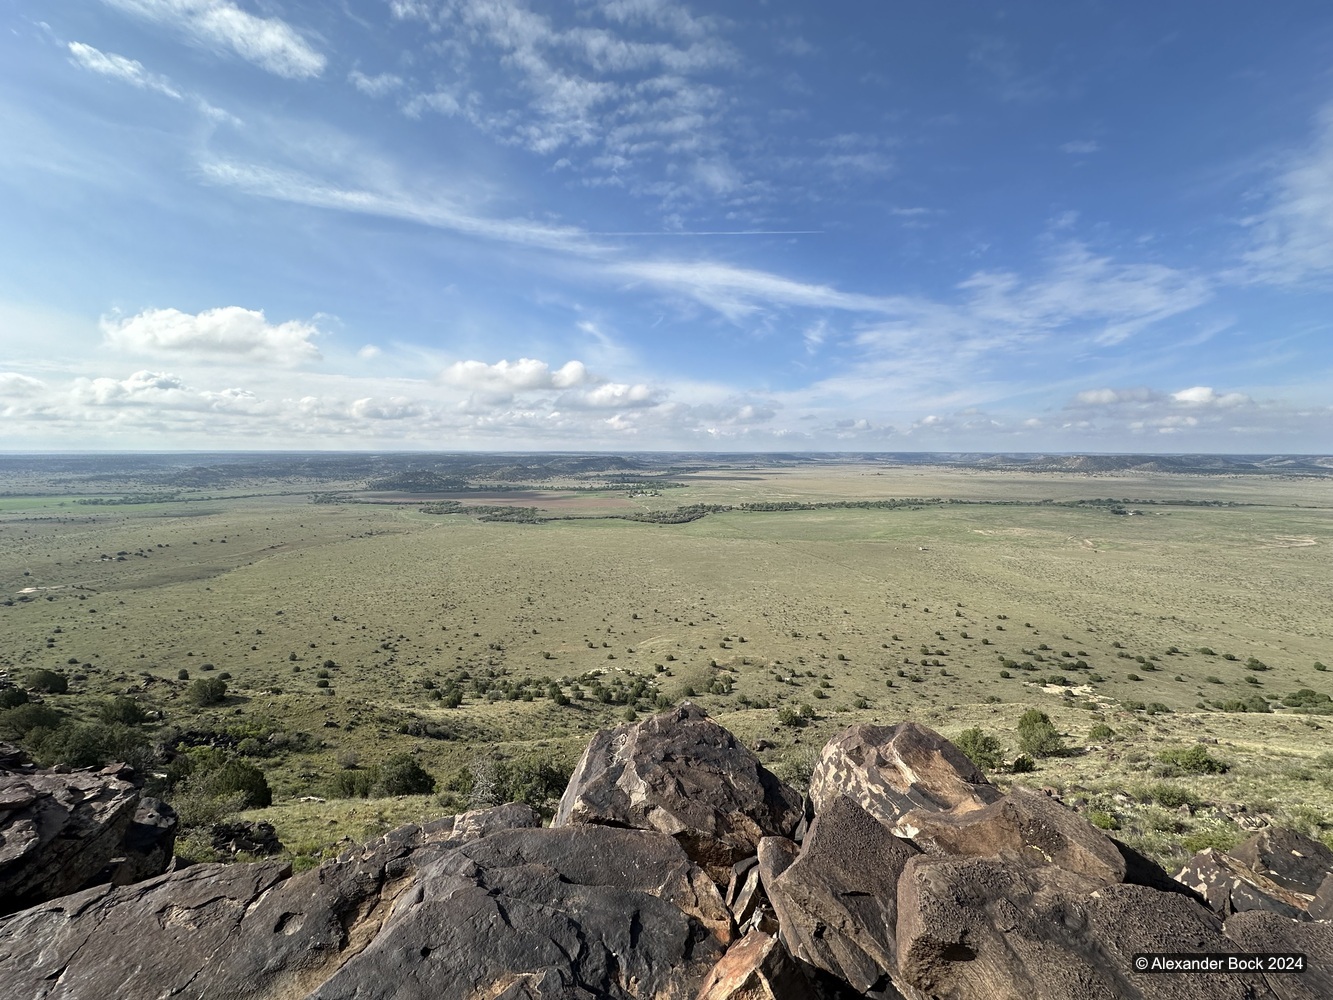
(396, 598)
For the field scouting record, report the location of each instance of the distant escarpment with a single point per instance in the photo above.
(677, 866)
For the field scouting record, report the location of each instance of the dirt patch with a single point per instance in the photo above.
(1290, 542)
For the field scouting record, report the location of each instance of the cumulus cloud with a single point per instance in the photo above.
(269, 42)
(1203, 395)
(396, 408)
(513, 376)
(610, 395)
(226, 333)
(129, 71)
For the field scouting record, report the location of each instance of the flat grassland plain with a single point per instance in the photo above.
(354, 620)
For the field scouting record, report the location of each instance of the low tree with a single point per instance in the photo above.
(1037, 737)
(402, 775)
(207, 691)
(980, 747)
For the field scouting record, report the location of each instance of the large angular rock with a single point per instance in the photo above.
(1023, 827)
(681, 774)
(837, 904)
(755, 968)
(974, 927)
(892, 770)
(1259, 931)
(1321, 907)
(1229, 886)
(60, 832)
(149, 843)
(590, 911)
(1286, 857)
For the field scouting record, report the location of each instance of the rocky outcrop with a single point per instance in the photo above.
(1277, 869)
(1023, 827)
(925, 882)
(608, 912)
(681, 774)
(837, 905)
(755, 968)
(62, 831)
(893, 770)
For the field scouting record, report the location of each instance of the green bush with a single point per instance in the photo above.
(48, 682)
(13, 697)
(207, 691)
(1170, 796)
(19, 721)
(980, 748)
(1193, 760)
(402, 775)
(123, 710)
(1037, 736)
(209, 773)
(1103, 820)
(91, 744)
(1023, 764)
(1101, 733)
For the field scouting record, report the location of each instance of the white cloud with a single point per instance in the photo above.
(424, 209)
(1203, 395)
(1293, 237)
(610, 395)
(617, 86)
(226, 333)
(375, 86)
(397, 408)
(369, 352)
(270, 43)
(13, 385)
(525, 374)
(1081, 146)
(130, 71)
(736, 292)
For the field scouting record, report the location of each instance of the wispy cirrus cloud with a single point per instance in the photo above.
(117, 67)
(1293, 235)
(268, 42)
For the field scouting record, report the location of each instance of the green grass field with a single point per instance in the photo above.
(860, 615)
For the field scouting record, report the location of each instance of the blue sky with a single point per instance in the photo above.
(641, 224)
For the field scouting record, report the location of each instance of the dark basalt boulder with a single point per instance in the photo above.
(1286, 857)
(149, 843)
(974, 927)
(1229, 886)
(1023, 827)
(1260, 931)
(681, 774)
(591, 911)
(595, 912)
(1321, 907)
(837, 904)
(892, 770)
(61, 832)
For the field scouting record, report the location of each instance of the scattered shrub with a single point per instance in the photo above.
(1193, 760)
(48, 682)
(1037, 736)
(208, 691)
(980, 747)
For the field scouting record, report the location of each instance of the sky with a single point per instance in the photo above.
(630, 225)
